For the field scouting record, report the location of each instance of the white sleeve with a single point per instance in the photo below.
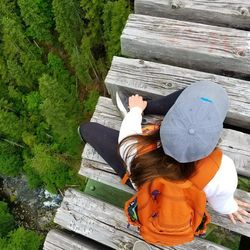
(131, 123)
(220, 190)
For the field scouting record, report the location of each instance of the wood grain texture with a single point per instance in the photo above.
(234, 144)
(186, 44)
(59, 240)
(233, 13)
(113, 180)
(106, 223)
(155, 79)
(96, 171)
(218, 219)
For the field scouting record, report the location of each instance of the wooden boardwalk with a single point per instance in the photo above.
(169, 44)
(57, 240)
(233, 13)
(154, 79)
(190, 45)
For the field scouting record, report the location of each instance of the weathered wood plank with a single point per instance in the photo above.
(235, 144)
(103, 173)
(106, 223)
(58, 240)
(95, 172)
(154, 79)
(233, 13)
(186, 44)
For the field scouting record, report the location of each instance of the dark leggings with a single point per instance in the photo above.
(105, 140)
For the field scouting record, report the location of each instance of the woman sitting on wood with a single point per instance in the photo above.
(179, 154)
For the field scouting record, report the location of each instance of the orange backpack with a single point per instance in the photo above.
(170, 213)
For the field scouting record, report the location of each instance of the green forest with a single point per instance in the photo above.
(54, 56)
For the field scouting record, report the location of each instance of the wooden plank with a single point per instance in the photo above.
(106, 223)
(223, 220)
(155, 79)
(95, 171)
(185, 44)
(233, 13)
(102, 172)
(59, 240)
(235, 144)
(218, 219)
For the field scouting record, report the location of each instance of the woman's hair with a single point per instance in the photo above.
(155, 163)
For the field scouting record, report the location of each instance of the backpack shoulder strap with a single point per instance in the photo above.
(206, 169)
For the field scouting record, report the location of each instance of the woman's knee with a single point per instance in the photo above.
(87, 128)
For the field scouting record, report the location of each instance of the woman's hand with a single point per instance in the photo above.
(241, 211)
(137, 101)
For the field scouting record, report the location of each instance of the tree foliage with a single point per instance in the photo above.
(21, 239)
(23, 59)
(93, 11)
(10, 125)
(51, 169)
(10, 158)
(114, 17)
(54, 55)
(60, 110)
(38, 16)
(6, 220)
(67, 14)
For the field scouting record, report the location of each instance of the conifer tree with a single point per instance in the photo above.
(22, 57)
(10, 158)
(106, 20)
(58, 71)
(11, 125)
(68, 17)
(6, 220)
(21, 239)
(52, 170)
(4, 74)
(39, 106)
(61, 110)
(8, 8)
(3, 89)
(93, 11)
(92, 47)
(38, 17)
(68, 23)
(82, 60)
(114, 17)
